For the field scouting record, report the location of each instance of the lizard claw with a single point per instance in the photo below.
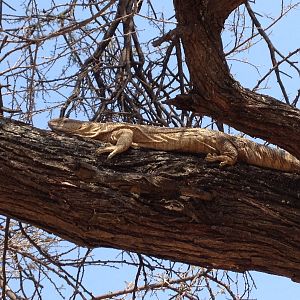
(223, 164)
(104, 150)
(223, 159)
(210, 157)
(100, 151)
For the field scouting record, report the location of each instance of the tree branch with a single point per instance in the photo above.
(217, 94)
(258, 115)
(168, 205)
(222, 9)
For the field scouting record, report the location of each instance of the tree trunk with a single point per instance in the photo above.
(169, 205)
(215, 92)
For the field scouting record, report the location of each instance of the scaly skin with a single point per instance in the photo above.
(218, 146)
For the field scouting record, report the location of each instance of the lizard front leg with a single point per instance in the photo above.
(228, 153)
(120, 139)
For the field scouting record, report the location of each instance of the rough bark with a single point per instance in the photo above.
(215, 92)
(174, 206)
(222, 8)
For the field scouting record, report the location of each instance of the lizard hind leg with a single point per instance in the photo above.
(228, 153)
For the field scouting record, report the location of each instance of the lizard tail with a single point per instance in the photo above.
(267, 157)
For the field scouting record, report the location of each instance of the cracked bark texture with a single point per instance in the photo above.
(169, 205)
(215, 92)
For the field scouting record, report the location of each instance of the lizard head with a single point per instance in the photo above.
(65, 125)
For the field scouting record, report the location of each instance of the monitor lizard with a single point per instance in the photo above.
(224, 148)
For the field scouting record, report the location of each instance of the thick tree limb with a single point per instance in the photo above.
(223, 8)
(168, 205)
(216, 93)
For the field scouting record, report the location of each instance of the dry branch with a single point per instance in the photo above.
(216, 93)
(168, 205)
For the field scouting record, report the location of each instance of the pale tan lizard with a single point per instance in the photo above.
(219, 146)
